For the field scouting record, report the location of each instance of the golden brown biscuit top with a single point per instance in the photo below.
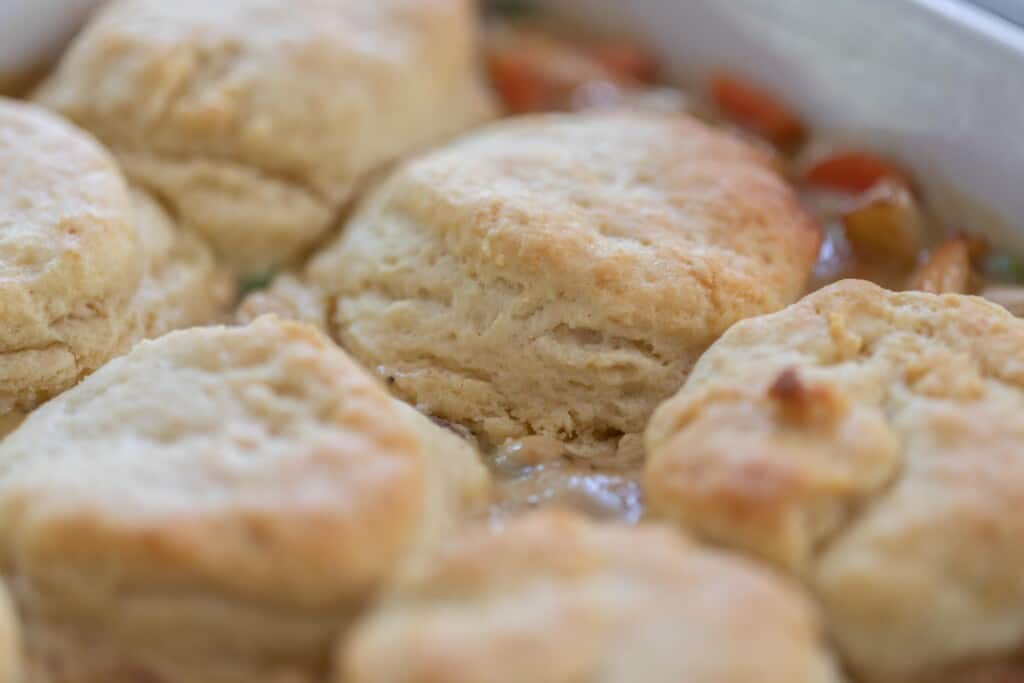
(68, 248)
(256, 121)
(550, 597)
(258, 460)
(232, 80)
(659, 220)
(869, 441)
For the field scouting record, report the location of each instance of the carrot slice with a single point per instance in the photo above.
(753, 108)
(626, 60)
(853, 171)
(517, 82)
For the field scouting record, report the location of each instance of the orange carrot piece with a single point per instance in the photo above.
(626, 61)
(853, 171)
(520, 87)
(753, 108)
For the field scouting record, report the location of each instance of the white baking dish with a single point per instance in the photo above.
(1010, 9)
(32, 33)
(938, 84)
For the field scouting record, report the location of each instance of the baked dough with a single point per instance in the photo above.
(289, 297)
(88, 265)
(10, 641)
(871, 443)
(552, 598)
(69, 256)
(216, 505)
(10, 422)
(560, 274)
(256, 121)
(182, 284)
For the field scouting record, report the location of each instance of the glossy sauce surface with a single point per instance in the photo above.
(534, 471)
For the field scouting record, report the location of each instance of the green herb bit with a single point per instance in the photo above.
(254, 283)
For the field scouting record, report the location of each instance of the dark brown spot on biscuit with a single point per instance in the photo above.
(798, 401)
(788, 388)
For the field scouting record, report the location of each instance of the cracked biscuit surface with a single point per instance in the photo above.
(216, 506)
(553, 598)
(870, 442)
(256, 121)
(88, 265)
(560, 274)
(69, 256)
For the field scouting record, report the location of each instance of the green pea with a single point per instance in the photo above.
(254, 283)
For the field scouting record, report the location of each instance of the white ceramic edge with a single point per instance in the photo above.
(984, 16)
(936, 83)
(33, 31)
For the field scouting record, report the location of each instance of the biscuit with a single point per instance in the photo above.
(69, 256)
(256, 121)
(10, 644)
(10, 422)
(552, 598)
(289, 297)
(182, 284)
(560, 274)
(869, 442)
(217, 505)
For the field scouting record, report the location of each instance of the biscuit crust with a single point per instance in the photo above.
(196, 99)
(869, 442)
(10, 641)
(69, 256)
(560, 274)
(290, 297)
(183, 285)
(553, 598)
(216, 506)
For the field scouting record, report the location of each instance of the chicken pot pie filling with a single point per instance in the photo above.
(569, 374)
